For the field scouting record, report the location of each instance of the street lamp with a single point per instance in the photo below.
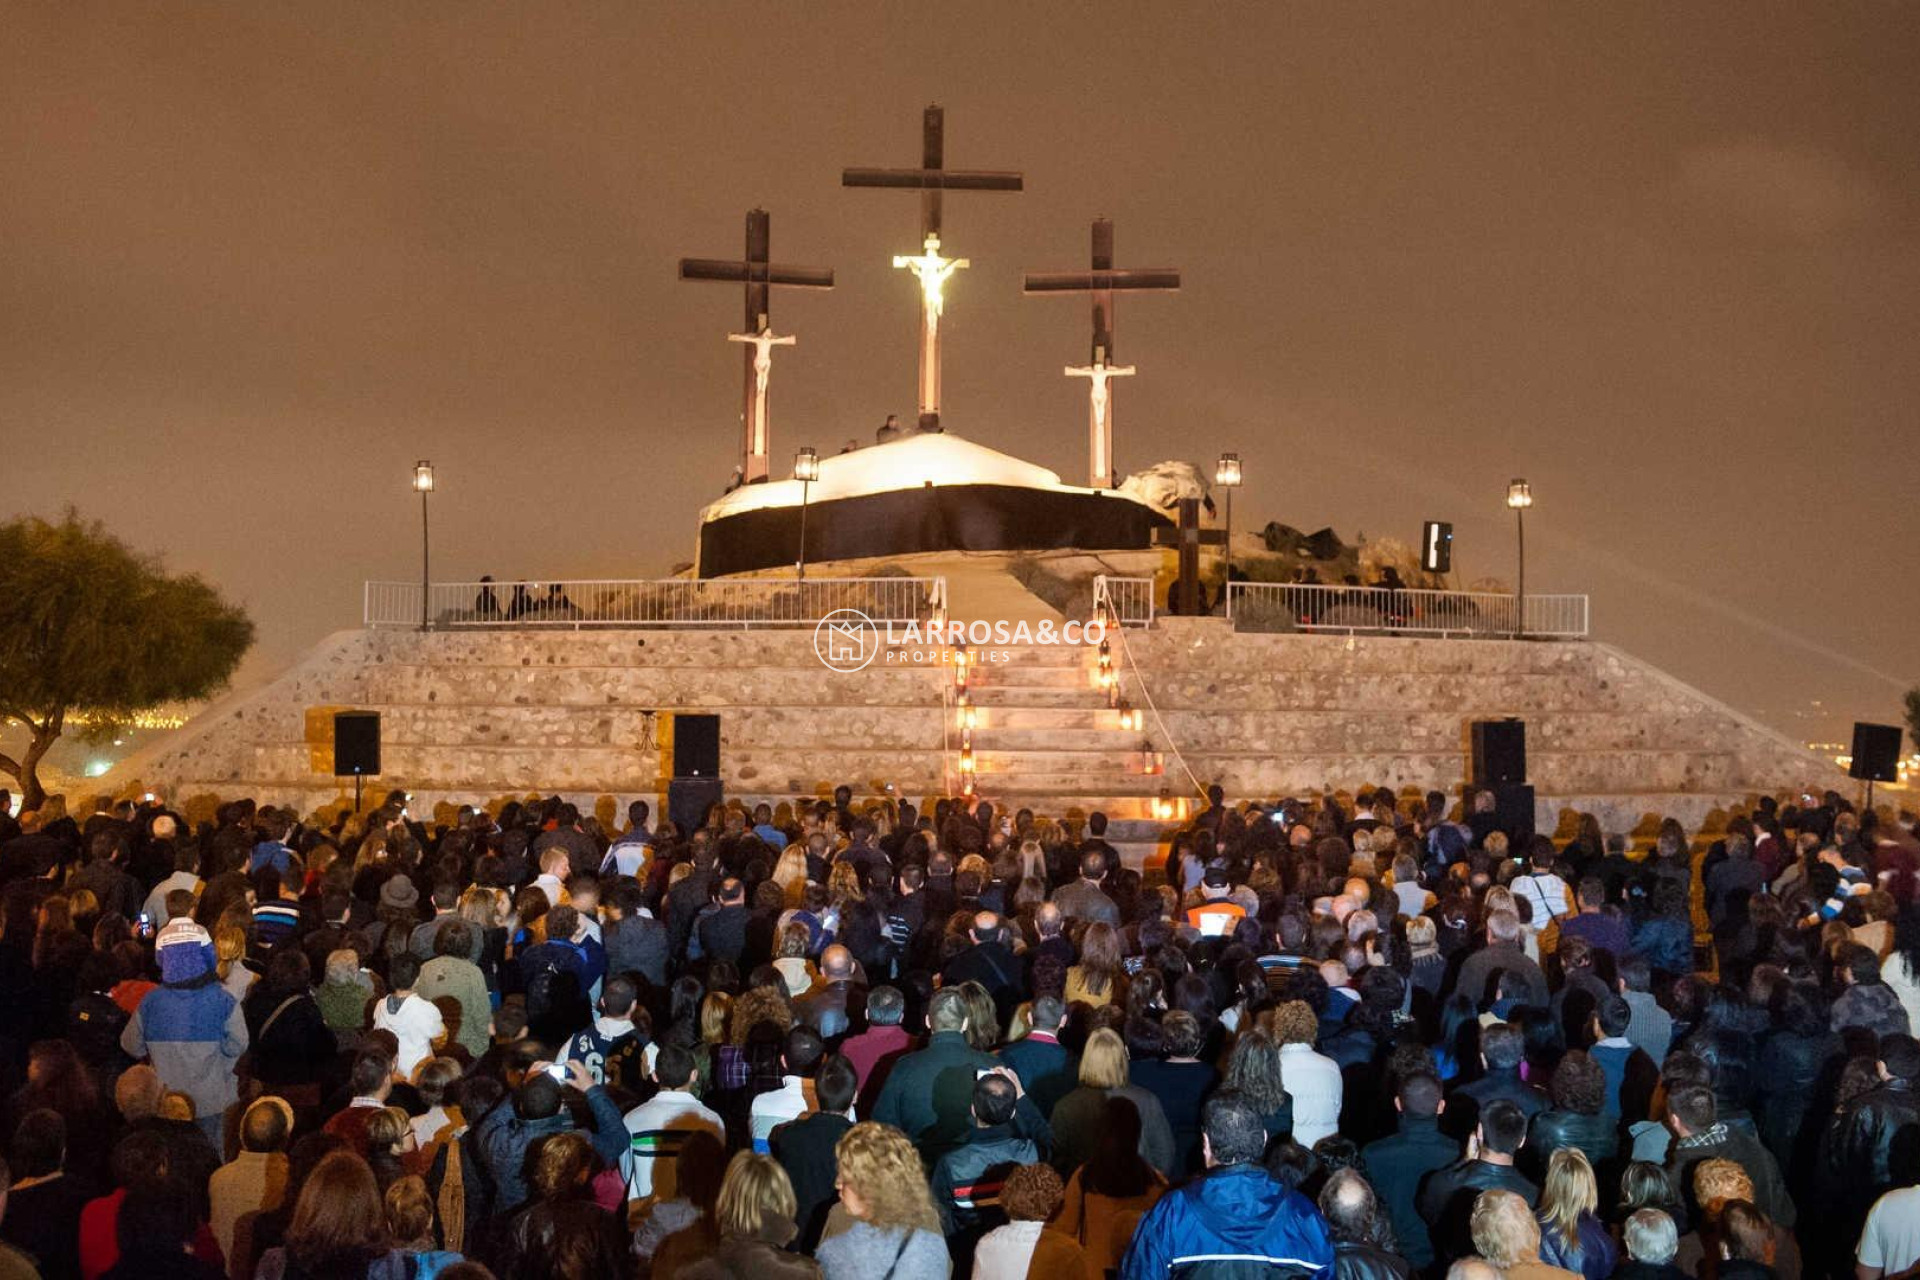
(806, 469)
(1226, 474)
(423, 485)
(1520, 497)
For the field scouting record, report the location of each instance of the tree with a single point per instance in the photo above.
(1913, 716)
(88, 626)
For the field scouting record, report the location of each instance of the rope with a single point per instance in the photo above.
(1126, 650)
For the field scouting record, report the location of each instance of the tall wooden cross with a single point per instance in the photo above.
(761, 277)
(1188, 539)
(1102, 281)
(931, 180)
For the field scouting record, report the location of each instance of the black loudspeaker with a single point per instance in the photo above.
(696, 746)
(689, 800)
(356, 744)
(1513, 810)
(1436, 546)
(1876, 753)
(1499, 752)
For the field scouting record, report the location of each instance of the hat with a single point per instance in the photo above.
(1217, 878)
(399, 893)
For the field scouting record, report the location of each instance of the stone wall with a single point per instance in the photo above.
(475, 716)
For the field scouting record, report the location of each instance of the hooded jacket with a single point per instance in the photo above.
(190, 1026)
(1234, 1223)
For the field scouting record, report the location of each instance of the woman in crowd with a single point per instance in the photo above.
(1571, 1236)
(894, 1230)
(1077, 1118)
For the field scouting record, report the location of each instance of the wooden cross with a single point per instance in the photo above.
(1188, 538)
(1102, 281)
(761, 277)
(931, 180)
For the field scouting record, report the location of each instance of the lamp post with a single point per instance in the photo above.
(1226, 474)
(1520, 497)
(806, 469)
(423, 485)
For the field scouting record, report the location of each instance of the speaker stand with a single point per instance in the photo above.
(356, 794)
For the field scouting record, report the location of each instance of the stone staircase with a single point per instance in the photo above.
(1044, 738)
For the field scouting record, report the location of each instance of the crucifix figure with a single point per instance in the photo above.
(760, 277)
(1102, 281)
(763, 344)
(932, 270)
(1099, 414)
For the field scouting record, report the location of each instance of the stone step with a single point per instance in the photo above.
(1009, 719)
(895, 728)
(1107, 737)
(1120, 759)
(988, 676)
(1070, 781)
(1082, 699)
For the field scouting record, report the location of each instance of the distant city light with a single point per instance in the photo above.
(97, 767)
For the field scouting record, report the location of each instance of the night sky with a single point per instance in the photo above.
(1661, 260)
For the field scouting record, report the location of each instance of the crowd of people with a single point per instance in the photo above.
(1365, 1037)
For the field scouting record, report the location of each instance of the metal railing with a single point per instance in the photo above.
(1129, 599)
(669, 602)
(1284, 606)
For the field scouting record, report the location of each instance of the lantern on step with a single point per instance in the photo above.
(968, 716)
(966, 758)
(1163, 806)
(1152, 762)
(960, 669)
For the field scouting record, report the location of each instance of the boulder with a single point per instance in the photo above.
(1162, 485)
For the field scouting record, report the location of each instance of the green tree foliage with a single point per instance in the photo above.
(89, 626)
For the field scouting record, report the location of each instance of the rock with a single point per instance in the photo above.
(1162, 485)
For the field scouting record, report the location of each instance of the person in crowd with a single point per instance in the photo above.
(1650, 1241)
(1362, 1238)
(1077, 1117)
(1106, 1197)
(539, 1111)
(1180, 1082)
(190, 1026)
(1506, 1236)
(1022, 1247)
(660, 1128)
(889, 1224)
(1399, 1164)
(1572, 1237)
(339, 1228)
(968, 1180)
(255, 1180)
(1313, 1080)
(43, 1221)
(805, 1147)
(562, 1233)
(1236, 1210)
(1447, 1197)
(1047, 1069)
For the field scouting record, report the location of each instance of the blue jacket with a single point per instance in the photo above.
(504, 1139)
(192, 1028)
(1234, 1223)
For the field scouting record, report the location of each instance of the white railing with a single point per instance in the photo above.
(1130, 599)
(1283, 606)
(668, 602)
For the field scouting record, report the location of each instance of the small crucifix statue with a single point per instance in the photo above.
(761, 277)
(763, 344)
(1102, 281)
(932, 270)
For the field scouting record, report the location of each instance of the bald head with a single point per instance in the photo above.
(1048, 920)
(986, 927)
(837, 962)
